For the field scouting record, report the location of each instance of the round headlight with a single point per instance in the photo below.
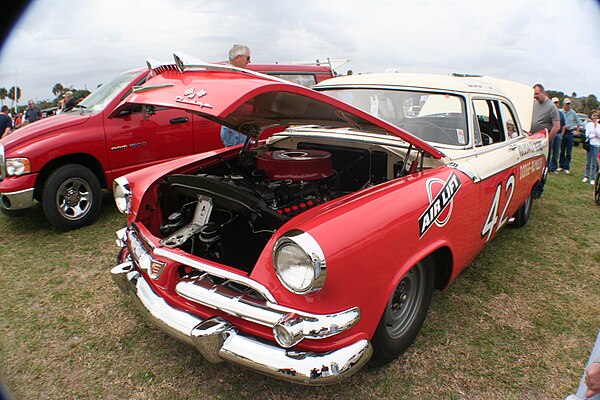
(122, 194)
(299, 262)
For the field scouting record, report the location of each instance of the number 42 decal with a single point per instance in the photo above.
(492, 217)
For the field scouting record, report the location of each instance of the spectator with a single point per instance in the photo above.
(571, 119)
(239, 55)
(5, 122)
(18, 120)
(545, 115)
(554, 145)
(70, 102)
(592, 131)
(33, 112)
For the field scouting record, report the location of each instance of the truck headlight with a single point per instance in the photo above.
(17, 166)
(122, 194)
(299, 262)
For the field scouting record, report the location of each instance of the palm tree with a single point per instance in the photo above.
(3, 94)
(57, 89)
(14, 96)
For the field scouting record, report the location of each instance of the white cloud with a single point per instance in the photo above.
(86, 43)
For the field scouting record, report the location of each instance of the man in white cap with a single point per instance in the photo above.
(554, 145)
(572, 123)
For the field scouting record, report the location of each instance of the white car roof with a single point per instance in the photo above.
(519, 94)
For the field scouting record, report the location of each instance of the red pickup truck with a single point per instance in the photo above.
(65, 161)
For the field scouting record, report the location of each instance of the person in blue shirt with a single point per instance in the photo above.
(230, 137)
(572, 123)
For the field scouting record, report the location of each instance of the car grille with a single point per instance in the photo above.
(143, 252)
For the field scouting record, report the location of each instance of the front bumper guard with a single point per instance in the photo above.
(217, 340)
(20, 200)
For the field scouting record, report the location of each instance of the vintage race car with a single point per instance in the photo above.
(307, 255)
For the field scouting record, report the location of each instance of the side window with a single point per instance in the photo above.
(489, 121)
(508, 122)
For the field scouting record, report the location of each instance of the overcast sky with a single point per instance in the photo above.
(83, 44)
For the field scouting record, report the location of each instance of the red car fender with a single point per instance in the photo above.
(371, 240)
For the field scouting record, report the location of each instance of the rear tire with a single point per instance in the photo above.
(404, 314)
(71, 197)
(523, 213)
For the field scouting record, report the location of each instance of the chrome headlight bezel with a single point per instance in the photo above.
(313, 272)
(17, 166)
(122, 194)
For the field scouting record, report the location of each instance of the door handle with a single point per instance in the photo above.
(512, 147)
(180, 120)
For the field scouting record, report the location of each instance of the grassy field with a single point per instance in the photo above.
(519, 323)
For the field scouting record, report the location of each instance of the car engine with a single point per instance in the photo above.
(228, 213)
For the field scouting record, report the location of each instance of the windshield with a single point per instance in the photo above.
(98, 99)
(433, 117)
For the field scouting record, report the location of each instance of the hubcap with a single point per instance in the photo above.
(74, 198)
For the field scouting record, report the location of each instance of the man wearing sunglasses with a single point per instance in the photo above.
(239, 55)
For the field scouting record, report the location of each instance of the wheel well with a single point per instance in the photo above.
(442, 262)
(82, 159)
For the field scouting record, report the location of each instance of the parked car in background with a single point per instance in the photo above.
(580, 138)
(307, 255)
(65, 161)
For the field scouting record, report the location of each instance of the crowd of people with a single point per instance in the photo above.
(10, 122)
(563, 124)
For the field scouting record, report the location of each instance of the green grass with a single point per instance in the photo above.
(519, 323)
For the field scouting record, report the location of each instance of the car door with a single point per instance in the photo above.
(143, 135)
(503, 166)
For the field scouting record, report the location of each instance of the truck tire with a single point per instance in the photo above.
(71, 197)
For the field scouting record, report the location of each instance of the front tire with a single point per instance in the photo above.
(404, 314)
(71, 197)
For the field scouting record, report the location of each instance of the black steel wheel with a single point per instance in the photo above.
(404, 314)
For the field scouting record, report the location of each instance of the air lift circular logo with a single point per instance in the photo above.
(440, 194)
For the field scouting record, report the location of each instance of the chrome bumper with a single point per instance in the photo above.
(219, 340)
(17, 200)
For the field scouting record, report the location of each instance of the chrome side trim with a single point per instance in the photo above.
(218, 340)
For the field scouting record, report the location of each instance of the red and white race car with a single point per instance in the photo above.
(307, 255)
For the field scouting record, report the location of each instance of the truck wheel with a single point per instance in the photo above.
(404, 314)
(523, 213)
(71, 197)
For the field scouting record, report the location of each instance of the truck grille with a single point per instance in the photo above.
(2, 163)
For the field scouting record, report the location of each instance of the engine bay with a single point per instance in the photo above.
(227, 212)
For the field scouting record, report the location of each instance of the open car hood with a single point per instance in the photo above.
(251, 102)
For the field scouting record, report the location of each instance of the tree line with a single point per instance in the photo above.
(14, 95)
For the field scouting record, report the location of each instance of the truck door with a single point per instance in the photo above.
(143, 135)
